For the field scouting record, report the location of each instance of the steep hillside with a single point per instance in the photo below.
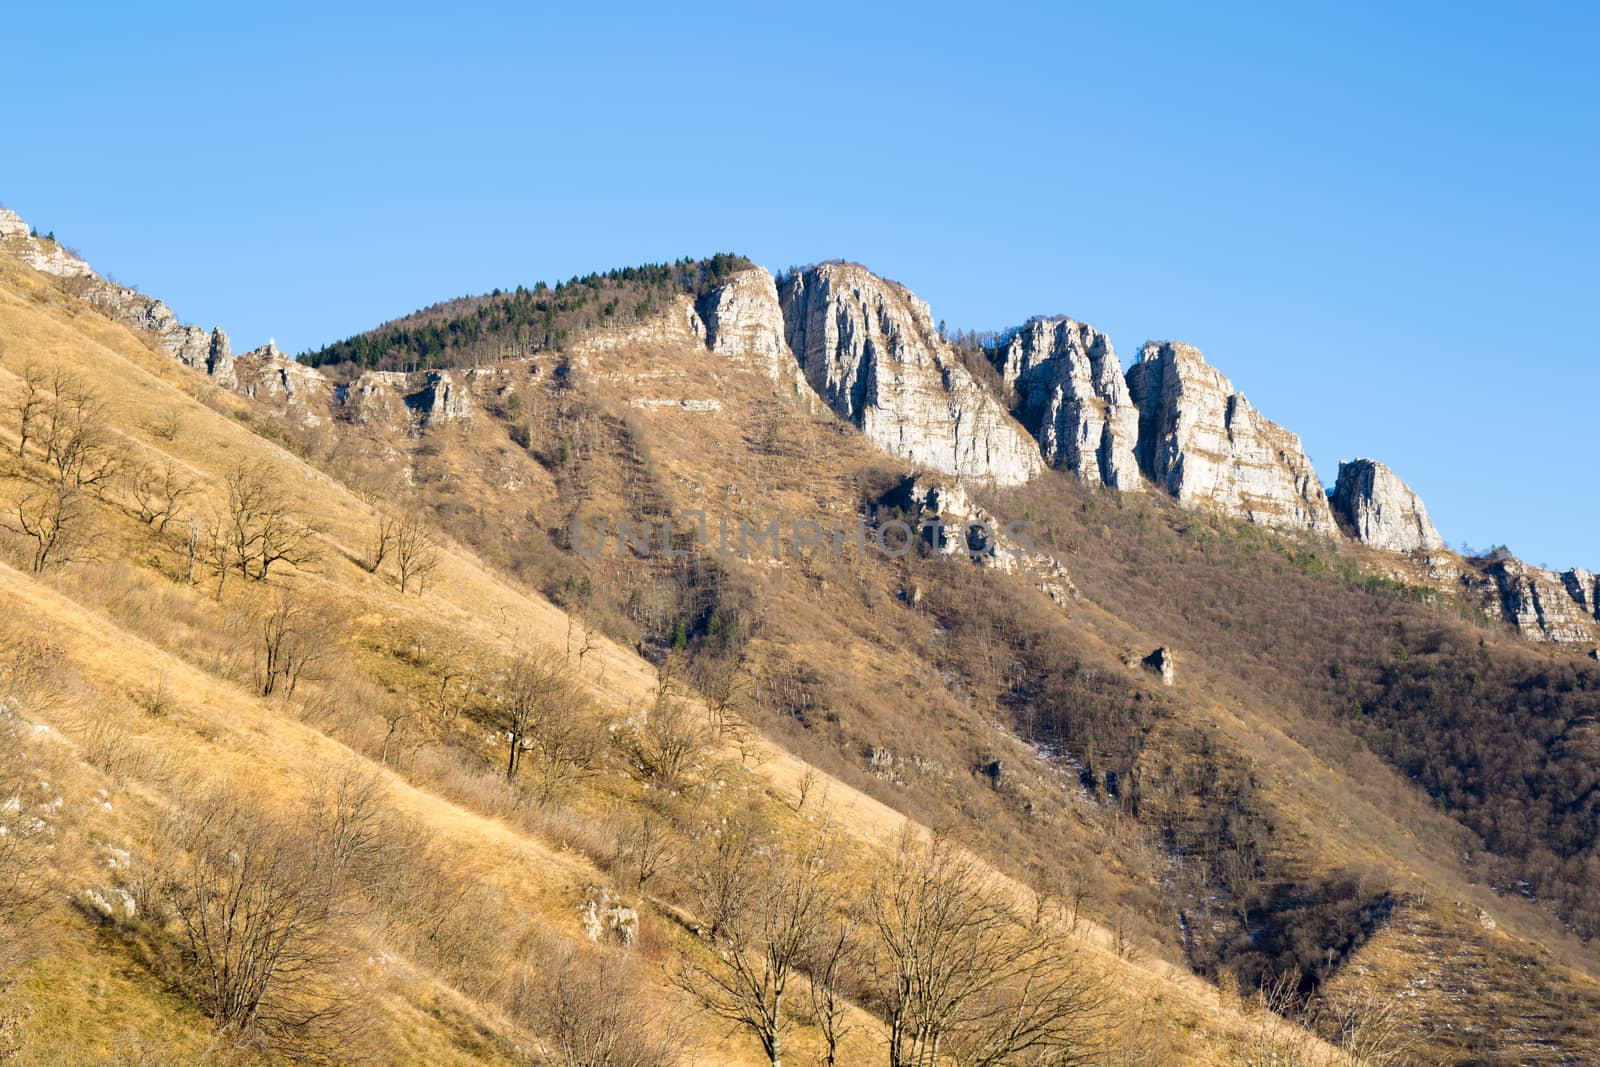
(1199, 719)
(257, 731)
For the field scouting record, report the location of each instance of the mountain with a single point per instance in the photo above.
(516, 641)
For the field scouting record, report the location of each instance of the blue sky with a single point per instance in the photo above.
(1379, 223)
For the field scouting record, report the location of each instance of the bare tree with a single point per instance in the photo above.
(31, 407)
(540, 711)
(647, 844)
(76, 441)
(255, 906)
(382, 541)
(589, 1009)
(293, 636)
(764, 907)
(832, 960)
(963, 978)
(416, 553)
(260, 530)
(158, 493)
(57, 519)
(725, 687)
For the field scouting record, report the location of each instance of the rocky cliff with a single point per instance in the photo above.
(744, 320)
(1381, 510)
(870, 349)
(1539, 603)
(40, 253)
(1202, 441)
(1071, 395)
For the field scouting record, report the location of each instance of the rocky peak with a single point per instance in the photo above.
(870, 349)
(1381, 510)
(1202, 441)
(1071, 395)
(743, 320)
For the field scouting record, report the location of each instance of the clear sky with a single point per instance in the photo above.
(1381, 224)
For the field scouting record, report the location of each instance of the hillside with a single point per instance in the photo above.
(1319, 801)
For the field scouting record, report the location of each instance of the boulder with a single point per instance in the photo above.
(1161, 663)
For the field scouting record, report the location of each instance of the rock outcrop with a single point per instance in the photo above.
(1540, 604)
(1202, 441)
(1584, 589)
(870, 349)
(945, 519)
(743, 320)
(1161, 664)
(441, 399)
(40, 253)
(1381, 510)
(1071, 395)
(266, 373)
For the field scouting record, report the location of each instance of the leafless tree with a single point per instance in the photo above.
(416, 553)
(382, 541)
(31, 407)
(667, 742)
(725, 686)
(963, 978)
(542, 713)
(77, 443)
(590, 1011)
(647, 845)
(56, 518)
(260, 530)
(763, 907)
(294, 635)
(831, 963)
(158, 493)
(255, 905)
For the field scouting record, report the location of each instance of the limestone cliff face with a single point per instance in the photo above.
(870, 350)
(1071, 395)
(1381, 510)
(40, 253)
(744, 321)
(1202, 441)
(1584, 589)
(1539, 604)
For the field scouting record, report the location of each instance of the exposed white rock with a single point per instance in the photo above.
(1071, 395)
(372, 399)
(1381, 509)
(743, 320)
(1584, 589)
(870, 350)
(442, 399)
(40, 253)
(1537, 602)
(1201, 441)
(266, 373)
(941, 514)
(11, 224)
(1161, 664)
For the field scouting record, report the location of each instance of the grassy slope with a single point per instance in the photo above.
(124, 626)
